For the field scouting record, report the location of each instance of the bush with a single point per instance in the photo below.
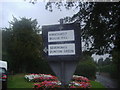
(111, 69)
(86, 68)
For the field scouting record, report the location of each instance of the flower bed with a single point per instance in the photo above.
(57, 84)
(40, 77)
(49, 81)
(75, 84)
(48, 84)
(80, 78)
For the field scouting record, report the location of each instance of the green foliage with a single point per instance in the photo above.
(86, 68)
(43, 67)
(97, 85)
(22, 45)
(107, 61)
(116, 57)
(108, 66)
(18, 81)
(111, 69)
(0, 44)
(116, 61)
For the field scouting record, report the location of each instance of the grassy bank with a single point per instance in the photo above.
(18, 81)
(96, 84)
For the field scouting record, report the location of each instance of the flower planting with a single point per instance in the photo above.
(80, 78)
(75, 84)
(40, 77)
(50, 81)
(48, 84)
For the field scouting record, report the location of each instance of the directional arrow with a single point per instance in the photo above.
(45, 50)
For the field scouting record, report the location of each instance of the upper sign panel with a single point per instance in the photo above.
(59, 36)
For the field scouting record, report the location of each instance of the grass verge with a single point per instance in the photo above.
(96, 84)
(18, 81)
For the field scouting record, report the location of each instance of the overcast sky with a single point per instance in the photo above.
(21, 8)
(10, 8)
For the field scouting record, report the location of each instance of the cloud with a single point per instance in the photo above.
(34, 11)
(12, 0)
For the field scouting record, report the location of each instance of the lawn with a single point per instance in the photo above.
(18, 81)
(96, 84)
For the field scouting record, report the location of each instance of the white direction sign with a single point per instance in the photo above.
(59, 36)
(61, 49)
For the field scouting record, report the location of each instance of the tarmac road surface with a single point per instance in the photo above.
(106, 81)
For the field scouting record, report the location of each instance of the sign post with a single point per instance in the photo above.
(62, 49)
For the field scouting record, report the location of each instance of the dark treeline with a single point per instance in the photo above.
(22, 47)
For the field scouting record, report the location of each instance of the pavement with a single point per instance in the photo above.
(106, 81)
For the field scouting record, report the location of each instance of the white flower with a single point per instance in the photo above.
(32, 76)
(75, 83)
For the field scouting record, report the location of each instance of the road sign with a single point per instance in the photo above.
(59, 36)
(62, 44)
(62, 49)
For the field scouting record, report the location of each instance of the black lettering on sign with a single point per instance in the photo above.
(58, 47)
(63, 37)
(68, 51)
(56, 51)
(56, 34)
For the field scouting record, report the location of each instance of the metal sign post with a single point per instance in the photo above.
(62, 74)
(62, 71)
(62, 49)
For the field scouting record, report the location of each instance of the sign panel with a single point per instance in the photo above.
(62, 44)
(61, 49)
(58, 36)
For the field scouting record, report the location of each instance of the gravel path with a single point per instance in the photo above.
(106, 81)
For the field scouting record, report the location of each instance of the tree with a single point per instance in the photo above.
(23, 45)
(86, 67)
(107, 61)
(99, 25)
(100, 62)
(6, 34)
(0, 44)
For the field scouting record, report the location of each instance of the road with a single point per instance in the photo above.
(106, 81)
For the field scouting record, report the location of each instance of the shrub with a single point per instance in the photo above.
(111, 69)
(86, 68)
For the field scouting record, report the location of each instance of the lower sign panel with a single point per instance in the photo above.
(61, 49)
